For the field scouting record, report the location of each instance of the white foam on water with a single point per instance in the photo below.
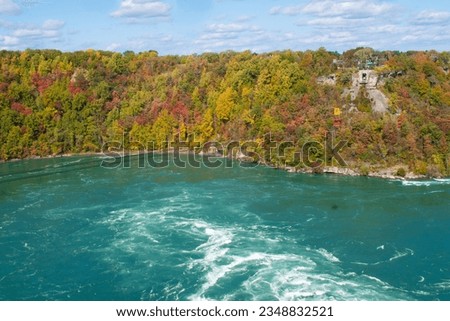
(88, 180)
(328, 255)
(424, 293)
(437, 181)
(434, 192)
(130, 216)
(214, 249)
(27, 206)
(174, 291)
(218, 272)
(376, 280)
(443, 285)
(285, 277)
(236, 264)
(134, 231)
(417, 183)
(67, 163)
(304, 284)
(73, 162)
(399, 255)
(218, 262)
(248, 259)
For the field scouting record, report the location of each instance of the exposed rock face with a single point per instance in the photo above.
(380, 103)
(364, 78)
(386, 173)
(329, 80)
(369, 79)
(340, 171)
(244, 158)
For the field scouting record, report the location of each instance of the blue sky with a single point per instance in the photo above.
(196, 26)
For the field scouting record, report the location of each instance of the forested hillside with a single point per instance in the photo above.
(53, 103)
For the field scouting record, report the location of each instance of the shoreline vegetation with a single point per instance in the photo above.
(391, 173)
(391, 108)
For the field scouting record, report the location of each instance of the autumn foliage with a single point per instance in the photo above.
(53, 103)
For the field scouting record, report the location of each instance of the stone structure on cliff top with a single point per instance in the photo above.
(363, 78)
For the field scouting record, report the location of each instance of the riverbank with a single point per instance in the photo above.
(50, 157)
(389, 173)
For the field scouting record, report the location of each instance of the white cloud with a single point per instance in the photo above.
(142, 9)
(23, 32)
(260, 43)
(432, 17)
(290, 11)
(347, 8)
(387, 29)
(36, 33)
(244, 18)
(9, 7)
(9, 41)
(113, 47)
(230, 27)
(344, 24)
(217, 36)
(235, 35)
(49, 29)
(337, 21)
(28, 35)
(226, 31)
(332, 38)
(152, 41)
(334, 8)
(433, 35)
(53, 24)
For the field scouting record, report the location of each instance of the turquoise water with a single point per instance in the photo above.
(72, 230)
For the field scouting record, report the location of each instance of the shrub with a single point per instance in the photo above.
(401, 172)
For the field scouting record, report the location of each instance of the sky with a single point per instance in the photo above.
(197, 26)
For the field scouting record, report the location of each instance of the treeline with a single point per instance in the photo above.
(54, 103)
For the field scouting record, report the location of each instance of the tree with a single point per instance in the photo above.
(53, 102)
(12, 149)
(206, 127)
(162, 130)
(225, 104)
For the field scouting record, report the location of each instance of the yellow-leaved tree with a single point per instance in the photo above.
(206, 127)
(225, 104)
(162, 129)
